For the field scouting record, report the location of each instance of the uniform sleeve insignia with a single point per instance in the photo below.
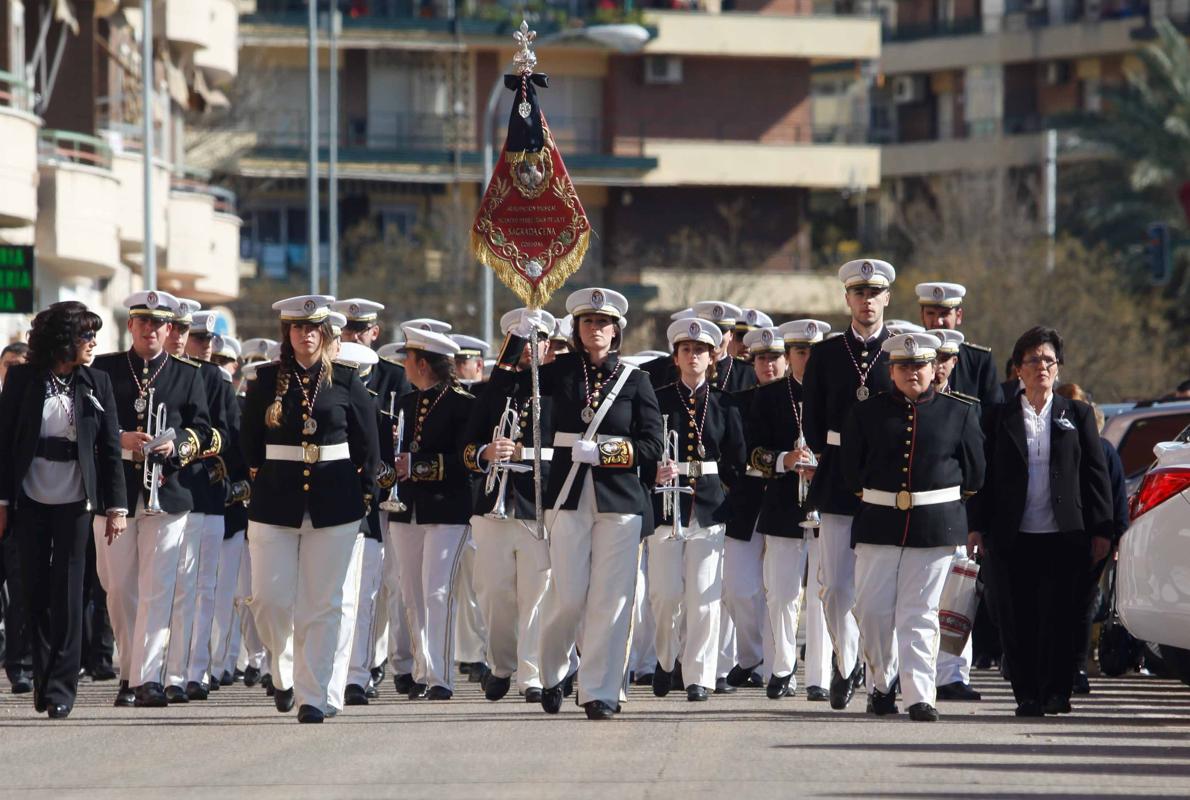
(615, 454)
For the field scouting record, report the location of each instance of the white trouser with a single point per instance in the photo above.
(642, 650)
(138, 571)
(351, 601)
(837, 575)
(380, 621)
(594, 558)
(509, 585)
(253, 649)
(784, 564)
(469, 630)
(818, 640)
(743, 597)
(726, 637)
(685, 591)
(298, 577)
(210, 551)
(363, 642)
(899, 589)
(223, 627)
(181, 621)
(429, 560)
(400, 643)
(952, 668)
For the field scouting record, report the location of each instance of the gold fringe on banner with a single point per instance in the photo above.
(532, 296)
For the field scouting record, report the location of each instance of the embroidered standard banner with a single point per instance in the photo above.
(531, 228)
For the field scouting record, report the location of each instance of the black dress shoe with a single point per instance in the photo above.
(176, 694)
(740, 676)
(310, 714)
(252, 676)
(266, 681)
(644, 679)
(957, 691)
(1081, 683)
(662, 681)
(58, 711)
(439, 693)
(22, 684)
(151, 695)
(378, 674)
(283, 700)
(354, 695)
(778, 687)
(817, 694)
(723, 687)
(551, 700)
(1056, 705)
(125, 697)
(371, 691)
(568, 684)
(39, 701)
(496, 687)
(983, 661)
(1029, 710)
(843, 688)
(697, 694)
(599, 710)
(464, 667)
(103, 672)
(418, 691)
(883, 705)
(227, 678)
(215, 684)
(237, 675)
(532, 695)
(923, 712)
(197, 691)
(478, 673)
(403, 682)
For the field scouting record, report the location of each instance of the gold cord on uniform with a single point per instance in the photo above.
(592, 394)
(425, 407)
(141, 404)
(309, 424)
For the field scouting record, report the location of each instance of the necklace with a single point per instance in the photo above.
(797, 407)
(309, 424)
(592, 395)
(61, 390)
(141, 404)
(690, 402)
(426, 408)
(863, 392)
(726, 373)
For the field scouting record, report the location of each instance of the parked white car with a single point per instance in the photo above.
(1153, 572)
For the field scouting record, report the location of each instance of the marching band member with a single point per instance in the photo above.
(509, 579)
(139, 570)
(731, 374)
(841, 372)
(435, 487)
(914, 456)
(606, 423)
(469, 361)
(751, 319)
(686, 552)
(309, 433)
(799, 337)
(975, 371)
(560, 338)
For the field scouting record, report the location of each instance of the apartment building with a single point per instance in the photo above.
(72, 161)
(697, 158)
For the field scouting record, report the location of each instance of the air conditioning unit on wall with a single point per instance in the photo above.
(908, 89)
(663, 69)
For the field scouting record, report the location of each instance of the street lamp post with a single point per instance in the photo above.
(312, 155)
(332, 172)
(627, 38)
(146, 68)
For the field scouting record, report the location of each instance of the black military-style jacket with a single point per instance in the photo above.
(177, 384)
(731, 374)
(237, 486)
(331, 492)
(386, 384)
(976, 374)
(896, 445)
(722, 440)
(438, 489)
(634, 422)
(828, 393)
(747, 495)
(386, 381)
(204, 477)
(773, 429)
(518, 498)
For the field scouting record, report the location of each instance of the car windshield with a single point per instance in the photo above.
(1136, 446)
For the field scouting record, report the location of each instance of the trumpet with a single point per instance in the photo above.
(506, 428)
(812, 519)
(155, 428)
(670, 507)
(393, 504)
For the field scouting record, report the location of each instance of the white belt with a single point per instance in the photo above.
(568, 439)
(309, 454)
(547, 454)
(833, 437)
(752, 472)
(904, 500)
(696, 469)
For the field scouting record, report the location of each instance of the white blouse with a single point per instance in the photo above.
(1039, 510)
(55, 482)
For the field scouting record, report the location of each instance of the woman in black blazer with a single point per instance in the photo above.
(1045, 518)
(61, 444)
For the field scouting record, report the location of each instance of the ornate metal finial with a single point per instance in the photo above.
(525, 59)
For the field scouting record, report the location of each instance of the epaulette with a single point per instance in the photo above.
(962, 398)
(340, 362)
(225, 376)
(975, 346)
(184, 360)
(670, 385)
(392, 361)
(463, 391)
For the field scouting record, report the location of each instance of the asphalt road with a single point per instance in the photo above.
(1129, 739)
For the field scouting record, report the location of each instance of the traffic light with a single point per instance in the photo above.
(1157, 252)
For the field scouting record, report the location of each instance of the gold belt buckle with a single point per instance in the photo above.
(310, 453)
(695, 469)
(904, 500)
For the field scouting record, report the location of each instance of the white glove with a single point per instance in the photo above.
(584, 452)
(532, 321)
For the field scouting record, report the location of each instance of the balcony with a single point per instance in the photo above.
(990, 144)
(78, 200)
(220, 59)
(222, 283)
(128, 165)
(191, 232)
(18, 156)
(743, 35)
(186, 25)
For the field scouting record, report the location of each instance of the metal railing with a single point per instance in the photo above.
(925, 30)
(15, 92)
(72, 147)
(193, 179)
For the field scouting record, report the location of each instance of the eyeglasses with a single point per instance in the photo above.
(1045, 362)
(89, 336)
